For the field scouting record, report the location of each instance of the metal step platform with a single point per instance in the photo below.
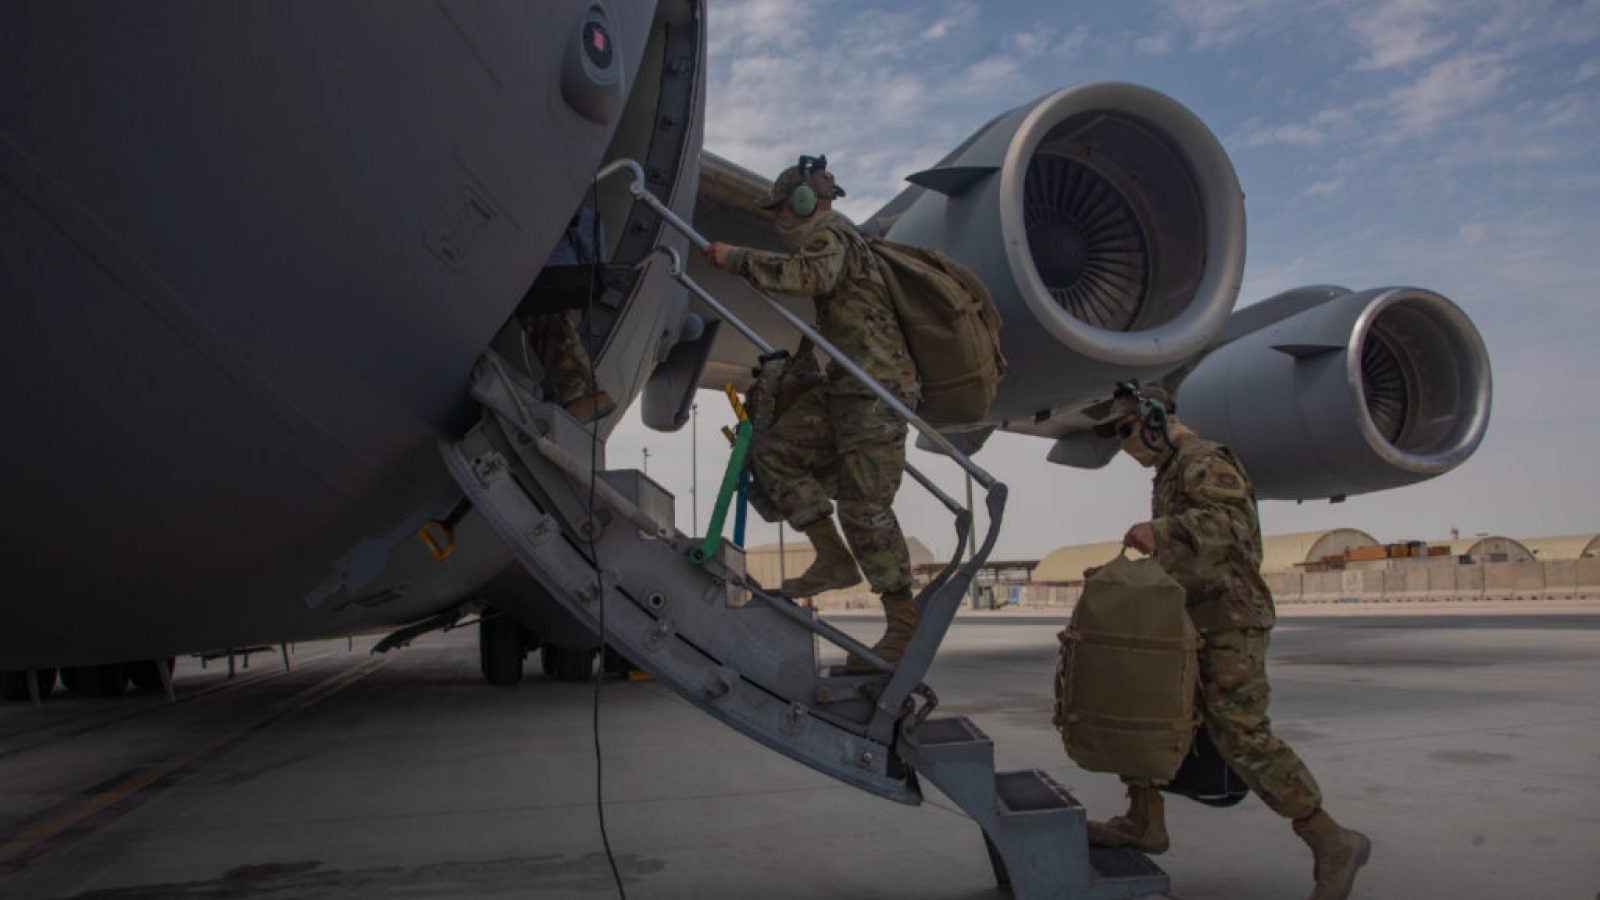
(1032, 828)
(605, 547)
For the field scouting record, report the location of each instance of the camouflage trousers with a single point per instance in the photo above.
(836, 444)
(1233, 703)
(566, 364)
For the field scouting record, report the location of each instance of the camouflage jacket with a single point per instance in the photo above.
(836, 269)
(1208, 536)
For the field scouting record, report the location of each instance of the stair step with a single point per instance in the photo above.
(1122, 873)
(1121, 862)
(954, 730)
(1031, 791)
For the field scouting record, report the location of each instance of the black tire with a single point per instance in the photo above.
(575, 665)
(146, 673)
(549, 659)
(14, 684)
(500, 649)
(108, 680)
(47, 682)
(616, 664)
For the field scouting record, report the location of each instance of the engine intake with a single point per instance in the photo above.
(1108, 224)
(1364, 392)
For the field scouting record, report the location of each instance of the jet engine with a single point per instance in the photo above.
(1361, 392)
(1109, 226)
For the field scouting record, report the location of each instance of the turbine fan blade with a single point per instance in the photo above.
(1087, 243)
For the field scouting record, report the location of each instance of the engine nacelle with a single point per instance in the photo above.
(1363, 392)
(1109, 226)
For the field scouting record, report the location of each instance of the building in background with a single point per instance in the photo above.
(1350, 565)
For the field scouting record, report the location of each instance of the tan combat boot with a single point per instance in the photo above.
(900, 609)
(1143, 826)
(590, 407)
(1339, 852)
(833, 568)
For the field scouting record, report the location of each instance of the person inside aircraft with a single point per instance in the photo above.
(569, 280)
(1205, 532)
(852, 431)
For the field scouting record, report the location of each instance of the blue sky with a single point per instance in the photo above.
(1449, 145)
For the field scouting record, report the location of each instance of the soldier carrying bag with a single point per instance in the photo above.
(952, 329)
(1126, 679)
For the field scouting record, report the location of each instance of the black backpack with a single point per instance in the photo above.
(1205, 776)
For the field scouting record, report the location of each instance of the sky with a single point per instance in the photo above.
(1446, 144)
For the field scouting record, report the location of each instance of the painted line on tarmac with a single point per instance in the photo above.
(33, 736)
(28, 847)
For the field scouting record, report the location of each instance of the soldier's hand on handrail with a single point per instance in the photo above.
(716, 253)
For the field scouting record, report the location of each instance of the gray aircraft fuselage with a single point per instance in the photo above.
(249, 253)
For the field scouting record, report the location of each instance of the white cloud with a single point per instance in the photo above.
(1446, 91)
(1073, 43)
(1220, 23)
(1565, 111)
(1032, 43)
(1154, 45)
(1263, 135)
(736, 26)
(1395, 33)
(983, 75)
(1322, 188)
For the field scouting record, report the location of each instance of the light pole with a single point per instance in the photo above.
(694, 465)
(645, 452)
(972, 546)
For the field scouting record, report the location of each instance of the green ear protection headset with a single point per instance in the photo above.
(1152, 415)
(803, 198)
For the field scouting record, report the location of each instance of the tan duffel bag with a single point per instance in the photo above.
(1125, 682)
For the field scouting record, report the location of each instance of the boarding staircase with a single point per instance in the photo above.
(602, 543)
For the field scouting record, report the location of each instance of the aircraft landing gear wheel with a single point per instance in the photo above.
(108, 680)
(616, 664)
(574, 665)
(500, 649)
(146, 676)
(14, 685)
(547, 659)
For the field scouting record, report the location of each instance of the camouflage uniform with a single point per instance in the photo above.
(1208, 537)
(566, 363)
(789, 441)
(841, 426)
(552, 333)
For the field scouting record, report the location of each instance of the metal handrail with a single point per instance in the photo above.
(639, 192)
(675, 269)
(940, 598)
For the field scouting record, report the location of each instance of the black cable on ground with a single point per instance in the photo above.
(591, 536)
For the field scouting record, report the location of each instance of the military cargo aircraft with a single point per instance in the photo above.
(252, 253)
(262, 273)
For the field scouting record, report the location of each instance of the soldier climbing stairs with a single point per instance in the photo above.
(602, 543)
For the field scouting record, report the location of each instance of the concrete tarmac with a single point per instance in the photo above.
(1466, 744)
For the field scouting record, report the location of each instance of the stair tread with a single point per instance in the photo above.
(1031, 790)
(1122, 863)
(956, 730)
